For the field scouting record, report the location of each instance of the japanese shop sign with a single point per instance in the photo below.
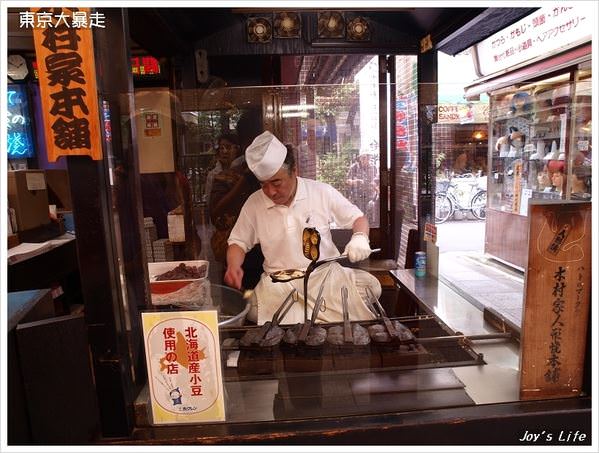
(67, 76)
(463, 113)
(184, 367)
(557, 298)
(517, 175)
(548, 30)
(142, 66)
(401, 124)
(18, 123)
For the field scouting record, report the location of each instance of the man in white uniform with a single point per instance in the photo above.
(275, 218)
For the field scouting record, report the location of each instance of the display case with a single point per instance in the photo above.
(540, 148)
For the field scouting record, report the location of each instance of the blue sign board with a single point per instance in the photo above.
(20, 141)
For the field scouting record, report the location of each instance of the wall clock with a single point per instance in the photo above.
(17, 67)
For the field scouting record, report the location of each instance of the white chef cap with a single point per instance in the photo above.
(265, 155)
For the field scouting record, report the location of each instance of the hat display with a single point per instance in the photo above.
(540, 152)
(265, 155)
(560, 98)
(554, 153)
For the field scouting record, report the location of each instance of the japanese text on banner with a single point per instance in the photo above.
(65, 56)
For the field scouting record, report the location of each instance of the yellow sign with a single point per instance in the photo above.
(67, 78)
(184, 367)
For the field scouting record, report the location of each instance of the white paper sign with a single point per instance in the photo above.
(526, 195)
(36, 180)
(547, 30)
(184, 366)
(176, 227)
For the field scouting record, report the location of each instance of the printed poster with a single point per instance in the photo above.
(152, 126)
(184, 367)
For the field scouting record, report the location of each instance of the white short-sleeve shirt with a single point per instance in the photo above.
(278, 228)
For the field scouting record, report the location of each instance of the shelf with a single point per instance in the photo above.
(546, 137)
(547, 109)
(512, 117)
(543, 123)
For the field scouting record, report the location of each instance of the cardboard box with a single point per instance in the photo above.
(13, 240)
(28, 195)
(59, 189)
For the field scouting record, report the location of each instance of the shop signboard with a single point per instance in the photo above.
(145, 66)
(184, 367)
(67, 76)
(463, 113)
(547, 31)
(18, 123)
(401, 124)
(557, 298)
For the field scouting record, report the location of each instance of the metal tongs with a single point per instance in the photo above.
(380, 312)
(311, 250)
(348, 336)
(317, 304)
(278, 315)
(259, 336)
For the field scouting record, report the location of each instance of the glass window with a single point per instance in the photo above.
(541, 142)
(334, 130)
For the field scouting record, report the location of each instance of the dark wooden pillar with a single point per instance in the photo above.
(427, 116)
(108, 221)
(386, 226)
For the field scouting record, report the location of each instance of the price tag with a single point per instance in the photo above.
(583, 145)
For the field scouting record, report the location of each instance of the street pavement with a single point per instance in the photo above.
(461, 236)
(478, 278)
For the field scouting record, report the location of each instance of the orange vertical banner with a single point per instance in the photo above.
(67, 76)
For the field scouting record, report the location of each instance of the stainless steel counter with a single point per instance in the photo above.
(498, 380)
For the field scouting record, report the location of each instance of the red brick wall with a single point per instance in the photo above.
(406, 159)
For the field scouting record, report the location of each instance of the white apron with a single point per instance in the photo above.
(268, 295)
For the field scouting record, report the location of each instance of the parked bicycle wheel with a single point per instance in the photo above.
(443, 207)
(479, 205)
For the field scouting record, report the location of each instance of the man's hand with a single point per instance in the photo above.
(234, 276)
(358, 248)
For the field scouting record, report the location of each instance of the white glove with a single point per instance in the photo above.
(358, 248)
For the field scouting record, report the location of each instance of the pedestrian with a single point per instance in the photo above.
(361, 182)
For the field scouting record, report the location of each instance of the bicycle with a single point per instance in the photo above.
(463, 193)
